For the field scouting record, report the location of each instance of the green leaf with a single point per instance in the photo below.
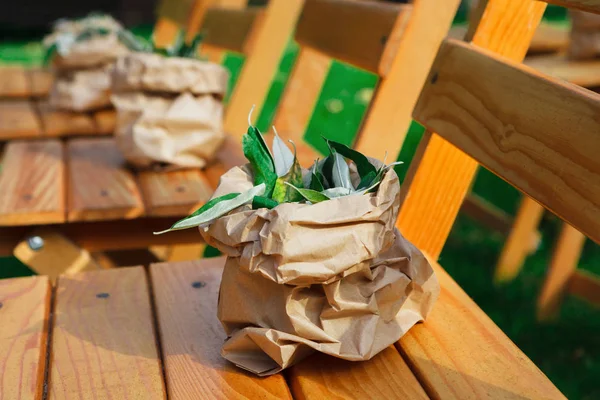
(218, 208)
(337, 192)
(367, 180)
(260, 159)
(133, 42)
(316, 182)
(363, 165)
(341, 172)
(327, 169)
(308, 194)
(191, 50)
(175, 48)
(263, 202)
(282, 192)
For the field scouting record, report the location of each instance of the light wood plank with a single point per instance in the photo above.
(585, 5)
(58, 123)
(562, 267)
(191, 337)
(32, 183)
(426, 218)
(390, 114)
(165, 29)
(40, 81)
(212, 54)
(585, 285)
(299, 99)
(18, 120)
(261, 65)
(385, 376)
(537, 133)
(103, 341)
(584, 73)
(362, 35)
(175, 193)
(228, 28)
(48, 252)
(14, 82)
(100, 187)
(228, 156)
(459, 353)
(517, 244)
(24, 309)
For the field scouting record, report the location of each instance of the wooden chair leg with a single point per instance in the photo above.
(49, 253)
(519, 242)
(564, 262)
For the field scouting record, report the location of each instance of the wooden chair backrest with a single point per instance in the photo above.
(536, 132)
(395, 41)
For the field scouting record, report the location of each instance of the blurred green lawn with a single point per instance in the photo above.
(567, 350)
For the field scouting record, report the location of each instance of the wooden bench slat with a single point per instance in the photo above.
(103, 339)
(583, 73)
(58, 123)
(18, 120)
(371, 47)
(459, 353)
(32, 183)
(585, 285)
(551, 151)
(174, 193)
(24, 310)
(14, 82)
(100, 187)
(191, 337)
(386, 376)
(592, 6)
(40, 81)
(105, 121)
(228, 28)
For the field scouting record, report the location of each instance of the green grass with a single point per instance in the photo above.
(567, 350)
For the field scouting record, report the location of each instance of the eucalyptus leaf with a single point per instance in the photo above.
(263, 202)
(341, 172)
(191, 50)
(260, 159)
(363, 165)
(316, 182)
(367, 180)
(49, 53)
(337, 192)
(326, 168)
(217, 210)
(282, 192)
(282, 156)
(310, 195)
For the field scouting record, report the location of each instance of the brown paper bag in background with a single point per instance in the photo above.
(155, 73)
(82, 90)
(97, 51)
(185, 131)
(585, 35)
(169, 110)
(335, 277)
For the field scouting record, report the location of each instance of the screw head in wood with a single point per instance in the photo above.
(102, 295)
(35, 243)
(434, 78)
(198, 285)
(180, 189)
(1, 305)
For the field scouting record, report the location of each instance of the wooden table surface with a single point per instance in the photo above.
(137, 333)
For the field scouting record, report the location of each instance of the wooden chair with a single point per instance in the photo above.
(107, 318)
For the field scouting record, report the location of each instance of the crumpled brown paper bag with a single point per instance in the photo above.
(153, 72)
(185, 132)
(335, 277)
(585, 35)
(96, 51)
(169, 110)
(82, 90)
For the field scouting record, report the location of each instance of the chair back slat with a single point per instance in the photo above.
(229, 29)
(440, 175)
(585, 5)
(536, 132)
(358, 33)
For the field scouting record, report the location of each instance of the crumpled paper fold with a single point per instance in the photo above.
(335, 277)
